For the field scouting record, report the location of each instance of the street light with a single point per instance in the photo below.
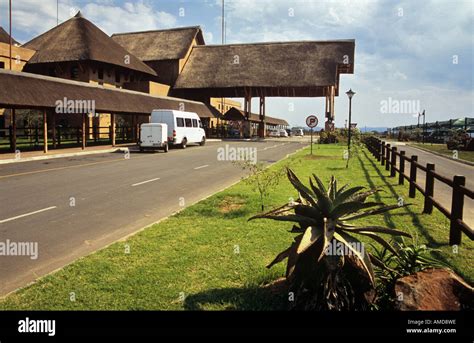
(350, 94)
(424, 125)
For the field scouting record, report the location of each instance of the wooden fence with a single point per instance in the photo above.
(408, 168)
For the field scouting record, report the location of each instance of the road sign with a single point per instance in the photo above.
(312, 121)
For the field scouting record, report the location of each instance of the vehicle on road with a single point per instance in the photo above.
(183, 127)
(283, 133)
(153, 136)
(298, 132)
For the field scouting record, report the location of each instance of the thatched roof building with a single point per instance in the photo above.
(165, 51)
(296, 69)
(31, 91)
(235, 114)
(77, 39)
(159, 45)
(5, 37)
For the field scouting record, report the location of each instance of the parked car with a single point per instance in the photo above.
(273, 133)
(233, 133)
(183, 127)
(298, 132)
(154, 136)
(288, 131)
(283, 133)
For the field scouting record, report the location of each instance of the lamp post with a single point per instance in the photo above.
(350, 94)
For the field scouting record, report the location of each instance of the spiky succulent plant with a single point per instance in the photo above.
(320, 278)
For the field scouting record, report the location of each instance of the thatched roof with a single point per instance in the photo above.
(31, 91)
(5, 37)
(160, 45)
(235, 114)
(275, 69)
(77, 39)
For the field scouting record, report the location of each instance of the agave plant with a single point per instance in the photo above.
(319, 276)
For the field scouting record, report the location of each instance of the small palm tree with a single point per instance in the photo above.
(327, 266)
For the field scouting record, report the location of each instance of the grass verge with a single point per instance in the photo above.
(443, 149)
(209, 257)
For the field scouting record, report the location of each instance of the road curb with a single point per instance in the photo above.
(441, 155)
(72, 154)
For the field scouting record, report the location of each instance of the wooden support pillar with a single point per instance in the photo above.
(45, 131)
(112, 128)
(261, 126)
(53, 123)
(84, 137)
(134, 128)
(330, 92)
(247, 107)
(13, 122)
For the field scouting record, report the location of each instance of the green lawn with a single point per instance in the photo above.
(443, 149)
(213, 257)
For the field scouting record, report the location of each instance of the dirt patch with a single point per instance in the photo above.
(230, 204)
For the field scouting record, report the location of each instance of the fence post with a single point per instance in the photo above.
(379, 148)
(393, 162)
(457, 205)
(382, 154)
(387, 157)
(401, 174)
(429, 188)
(413, 168)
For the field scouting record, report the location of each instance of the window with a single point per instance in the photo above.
(101, 73)
(180, 122)
(200, 124)
(117, 76)
(188, 122)
(195, 123)
(2, 65)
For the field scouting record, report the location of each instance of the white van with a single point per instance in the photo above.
(183, 127)
(154, 136)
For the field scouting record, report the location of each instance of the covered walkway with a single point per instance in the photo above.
(54, 97)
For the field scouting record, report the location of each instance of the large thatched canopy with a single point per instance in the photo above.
(77, 39)
(31, 91)
(159, 45)
(5, 37)
(297, 69)
(235, 114)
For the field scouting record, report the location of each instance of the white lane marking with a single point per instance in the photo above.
(143, 182)
(200, 167)
(27, 214)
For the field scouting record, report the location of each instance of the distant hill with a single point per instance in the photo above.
(370, 129)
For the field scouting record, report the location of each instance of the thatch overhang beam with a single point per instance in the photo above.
(30, 91)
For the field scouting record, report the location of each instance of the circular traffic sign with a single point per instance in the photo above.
(312, 121)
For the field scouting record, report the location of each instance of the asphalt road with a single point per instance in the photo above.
(448, 168)
(74, 206)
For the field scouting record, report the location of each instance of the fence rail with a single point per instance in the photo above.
(388, 155)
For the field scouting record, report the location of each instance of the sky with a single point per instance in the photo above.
(410, 55)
